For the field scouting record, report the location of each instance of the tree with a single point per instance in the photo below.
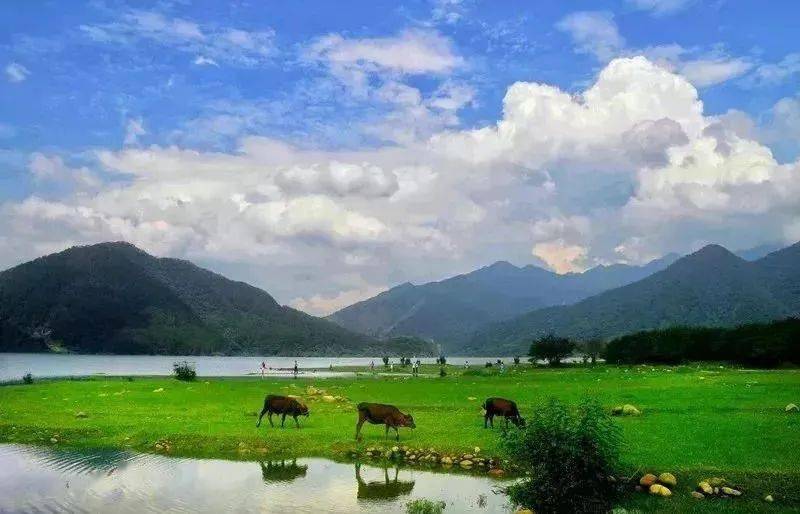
(551, 349)
(385, 361)
(592, 349)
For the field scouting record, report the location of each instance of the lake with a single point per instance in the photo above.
(14, 365)
(44, 479)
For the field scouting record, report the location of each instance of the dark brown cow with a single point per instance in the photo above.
(380, 414)
(283, 405)
(501, 407)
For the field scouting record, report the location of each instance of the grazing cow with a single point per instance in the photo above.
(501, 407)
(379, 414)
(283, 405)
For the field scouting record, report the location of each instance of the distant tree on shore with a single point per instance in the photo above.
(551, 348)
(592, 349)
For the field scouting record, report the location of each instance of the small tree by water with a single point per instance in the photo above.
(568, 457)
(425, 506)
(552, 349)
(184, 370)
(27, 378)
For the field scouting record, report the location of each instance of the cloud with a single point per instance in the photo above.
(660, 7)
(322, 305)
(593, 32)
(626, 170)
(412, 52)
(708, 72)
(771, 74)
(210, 44)
(16, 72)
(134, 129)
(46, 168)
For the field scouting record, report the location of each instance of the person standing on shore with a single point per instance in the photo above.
(263, 368)
(295, 369)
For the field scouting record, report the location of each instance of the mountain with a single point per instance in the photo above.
(115, 298)
(711, 287)
(450, 311)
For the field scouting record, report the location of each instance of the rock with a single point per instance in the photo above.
(792, 408)
(660, 490)
(616, 411)
(769, 499)
(81, 414)
(53, 440)
(159, 390)
(328, 398)
(717, 482)
(697, 496)
(476, 450)
(471, 398)
(467, 456)
(668, 479)
(395, 449)
(465, 463)
(630, 410)
(496, 472)
(524, 511)
(648, 480)
(705, 487)
(730, 491)
(447, 461)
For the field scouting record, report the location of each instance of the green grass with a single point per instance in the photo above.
(696, 422)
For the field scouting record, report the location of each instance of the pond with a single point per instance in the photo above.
(14, 365)
(44, 479)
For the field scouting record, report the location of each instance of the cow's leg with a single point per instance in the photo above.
(386, 436)
(506, 417)
(361, 420)
(486, 419)
(295, 421)
(283, 419)
(396, 434)
(263, 411)
(269, 417)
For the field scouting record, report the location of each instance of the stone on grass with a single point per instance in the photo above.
(159, 390)
(465, 463)
(648, 480)
(697, 496)
(328, 398)
(705, 487)
(730, 491)
(792, 408)
(660, 490)
(769, 499)
(668, 479)
(81, 414)
(496, 472)
(630, 410)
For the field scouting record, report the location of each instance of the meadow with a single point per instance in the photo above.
(696, 421)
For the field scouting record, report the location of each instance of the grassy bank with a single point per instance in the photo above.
(696, 421)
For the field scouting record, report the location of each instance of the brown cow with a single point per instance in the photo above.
(380, 414)
(283, 405)
(501, 407)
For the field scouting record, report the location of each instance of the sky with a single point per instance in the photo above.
(326, 151)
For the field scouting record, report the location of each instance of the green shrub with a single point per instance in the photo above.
(27, 378)
(425, 506)
(184, 371)
(568, 457)
(442, 372)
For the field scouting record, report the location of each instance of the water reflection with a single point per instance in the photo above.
(385, 489)
(36, 479)
(282, 471)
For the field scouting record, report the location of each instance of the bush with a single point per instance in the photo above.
(568, 457)
(516, 361)
(551, 349)
(27, 378)
(184, 371)
(442, 372)
(425, 506)
(385, 361)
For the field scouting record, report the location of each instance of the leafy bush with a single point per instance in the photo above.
(568, 457)
(27, 378)
(551, 349)
(425, 506)
(184, 371)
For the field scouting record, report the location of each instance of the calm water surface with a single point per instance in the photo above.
(38, 479)
(14, 365)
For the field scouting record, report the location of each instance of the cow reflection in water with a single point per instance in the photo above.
(282, 471)
(386, 489)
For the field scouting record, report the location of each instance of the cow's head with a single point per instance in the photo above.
(519, 421)
(408, 421)
(303, 410)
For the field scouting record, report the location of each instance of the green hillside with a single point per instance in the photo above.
(115, 298)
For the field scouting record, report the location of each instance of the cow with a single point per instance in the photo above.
(501, 407)
(283, 405)
(380, 414)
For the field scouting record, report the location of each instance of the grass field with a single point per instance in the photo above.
(697, 421)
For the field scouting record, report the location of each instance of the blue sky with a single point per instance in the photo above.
(101, 99)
